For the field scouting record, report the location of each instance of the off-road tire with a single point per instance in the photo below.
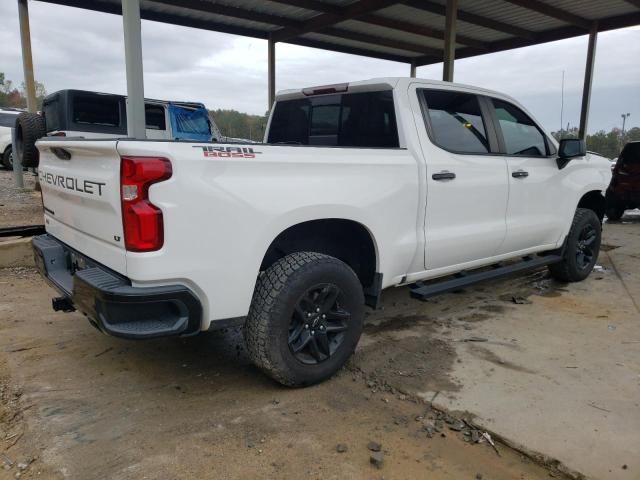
(29, 128)
(278, 290)
(568, 269)
(614, 209)
(614, 213)
(6, 158)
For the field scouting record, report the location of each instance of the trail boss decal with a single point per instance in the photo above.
(71, 183)
(227, 152)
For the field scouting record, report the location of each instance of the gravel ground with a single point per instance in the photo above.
(19, 207)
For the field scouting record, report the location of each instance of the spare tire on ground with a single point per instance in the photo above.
(29, 128)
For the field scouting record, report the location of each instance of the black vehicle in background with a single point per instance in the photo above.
(624, 191)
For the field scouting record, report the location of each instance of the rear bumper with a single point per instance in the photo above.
(109, 300)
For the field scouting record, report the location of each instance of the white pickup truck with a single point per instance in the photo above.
(358, 187)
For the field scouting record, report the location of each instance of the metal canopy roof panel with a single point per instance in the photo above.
(506, 12)
(356, 44)
(405, 31)
(421, 17)
(594, 9)
(392, 34)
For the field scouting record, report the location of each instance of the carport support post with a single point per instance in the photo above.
(412, 72)
(449, 40)
(133, 63)
(27, 60)
(588, 80)
(271, 70)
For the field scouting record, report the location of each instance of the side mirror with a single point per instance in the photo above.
(569, 149)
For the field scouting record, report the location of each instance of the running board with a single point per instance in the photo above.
(467, 278)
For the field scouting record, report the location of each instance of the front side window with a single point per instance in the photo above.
(344, 120)
(456, 121)
(521, 135)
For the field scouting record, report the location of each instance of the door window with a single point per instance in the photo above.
(521, 135)
(456, 121)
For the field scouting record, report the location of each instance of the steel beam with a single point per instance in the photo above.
(467, 17)
(134, 72)
(27, 59)
(449, 40)
(553, 12)
(271, 70)
(320, 22)
(588, 80)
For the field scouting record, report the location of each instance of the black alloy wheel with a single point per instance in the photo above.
(318, 324)
(585, 246)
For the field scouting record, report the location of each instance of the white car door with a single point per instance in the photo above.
(467, 184)
(536, 215)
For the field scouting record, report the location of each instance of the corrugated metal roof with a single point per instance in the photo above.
(405, 31)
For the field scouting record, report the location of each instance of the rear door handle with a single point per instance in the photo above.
(444, 175)
(520, 174)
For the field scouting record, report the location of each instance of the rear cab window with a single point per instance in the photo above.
(630, 155)
(365, 120)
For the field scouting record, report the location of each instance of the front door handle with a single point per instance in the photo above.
(444, 175)
(520, 174)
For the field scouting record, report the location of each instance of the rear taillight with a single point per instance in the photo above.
(59, 134)
(141, 219)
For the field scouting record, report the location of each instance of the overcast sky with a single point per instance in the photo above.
(74, 48)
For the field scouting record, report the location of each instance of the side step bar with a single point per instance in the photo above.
(465, 279)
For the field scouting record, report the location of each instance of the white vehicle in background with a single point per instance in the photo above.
(359, 187)
(7, 123)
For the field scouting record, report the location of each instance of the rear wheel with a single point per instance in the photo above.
(305, 319)
(581, 249)
(7, 158)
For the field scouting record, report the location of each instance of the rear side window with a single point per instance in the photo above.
(521, 135)
(154, 117)
(100, 110)
(345, 120)
(456, 121)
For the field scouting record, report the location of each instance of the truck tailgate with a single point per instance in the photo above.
(80, 182)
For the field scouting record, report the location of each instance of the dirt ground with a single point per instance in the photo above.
(80, 405)
(19, 207)
(76, 404)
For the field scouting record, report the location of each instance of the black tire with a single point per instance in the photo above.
(281, 306)
(581, 249)
(29, 128)
(7, 158)
(614, 209)
(614, 212)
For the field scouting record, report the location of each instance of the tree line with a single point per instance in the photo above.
(232, 123)
(608, 144)
(14, 97)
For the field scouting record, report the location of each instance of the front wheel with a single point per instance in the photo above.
(581, 249)
(305, 319)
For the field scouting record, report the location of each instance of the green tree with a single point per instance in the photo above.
(240, 125)
(16, 98)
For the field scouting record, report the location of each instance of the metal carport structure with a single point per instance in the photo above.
(416, 32)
